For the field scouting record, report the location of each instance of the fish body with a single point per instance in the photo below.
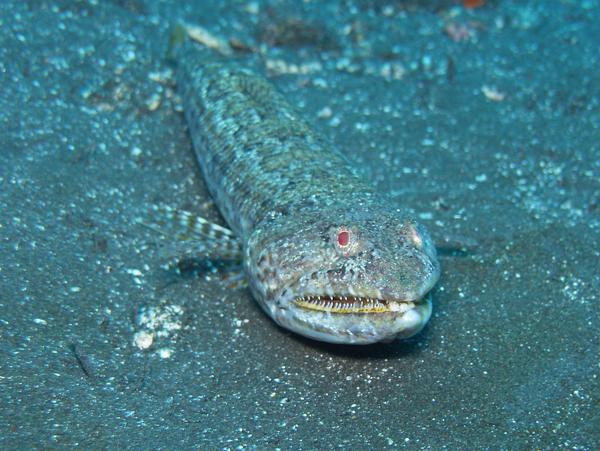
(325, 255)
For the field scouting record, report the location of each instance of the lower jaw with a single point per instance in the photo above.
(362, 328)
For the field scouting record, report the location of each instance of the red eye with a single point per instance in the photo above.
(346, 241)
(343, 237)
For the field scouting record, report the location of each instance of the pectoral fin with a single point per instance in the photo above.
(192, 236)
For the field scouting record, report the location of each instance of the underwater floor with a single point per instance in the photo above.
(480, 118)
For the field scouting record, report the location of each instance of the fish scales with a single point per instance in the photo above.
(256, 153)
(325, 255)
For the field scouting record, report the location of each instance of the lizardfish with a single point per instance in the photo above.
(324, 254)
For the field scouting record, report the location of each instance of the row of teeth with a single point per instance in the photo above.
(337, 299)
(343, 303)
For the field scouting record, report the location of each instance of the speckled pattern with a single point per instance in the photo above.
(482, 123)
(288, 193)
(259, 157)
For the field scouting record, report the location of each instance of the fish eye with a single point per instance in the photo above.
(346, 240)
(415, 237)
(343, 237)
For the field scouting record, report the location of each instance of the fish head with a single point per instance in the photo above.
(356, 277)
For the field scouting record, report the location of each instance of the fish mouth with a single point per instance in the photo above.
(352, 304)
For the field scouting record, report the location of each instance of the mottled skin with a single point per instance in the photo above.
(325, 255)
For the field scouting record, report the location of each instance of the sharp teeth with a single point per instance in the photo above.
(344, 303)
